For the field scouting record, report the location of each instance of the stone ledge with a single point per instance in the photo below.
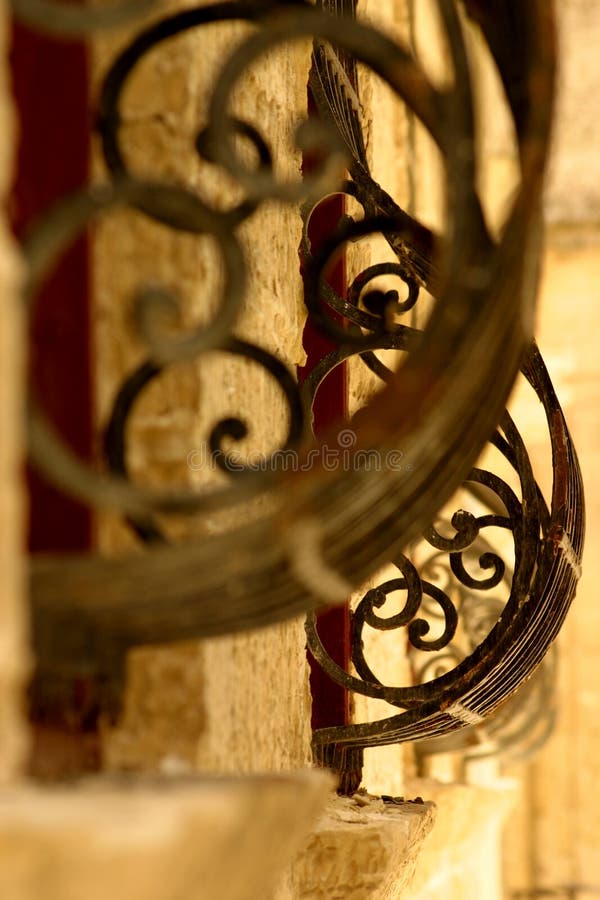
(460, 860)
(361, 848)
(156, 839)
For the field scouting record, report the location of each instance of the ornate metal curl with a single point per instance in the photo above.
(88, 610)
(468, 687)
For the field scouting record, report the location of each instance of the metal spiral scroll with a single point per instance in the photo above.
(439, 408)
(548, 544)
(467, 686)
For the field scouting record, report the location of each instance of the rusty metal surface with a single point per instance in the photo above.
(548, 544)
(439, 408)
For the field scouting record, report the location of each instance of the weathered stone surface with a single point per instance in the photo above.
(385, 767)
(257, 702)
(202, 839)
(251, 691)
(164, 711)
(460, 859)
(556, 841)
(242, 703)
(573, 194)
(360, 850)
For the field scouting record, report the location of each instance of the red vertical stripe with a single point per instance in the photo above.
(330, 702)
(51, 90)
(50, 85)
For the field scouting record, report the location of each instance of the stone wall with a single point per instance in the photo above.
(133, 837)
(241, 704)
(388, 129)
(554, 840)
(237, 703)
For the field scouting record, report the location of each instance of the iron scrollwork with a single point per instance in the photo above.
(505, 642)
(440, 406)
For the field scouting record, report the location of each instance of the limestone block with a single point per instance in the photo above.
(573, 194)
(361, 849)
(163, 716)
(460, 859)
(198, 839)
(253, 701)
(257, 701)
(384, 767)
(557, 841)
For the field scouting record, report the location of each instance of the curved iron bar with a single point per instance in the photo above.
(179, 215)
(236, 429)
(518, 729)
(522, 520)
(512, 734)
(346, 757)
(260, 573)
(515, 646)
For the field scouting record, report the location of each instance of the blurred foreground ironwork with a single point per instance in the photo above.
(437, 410)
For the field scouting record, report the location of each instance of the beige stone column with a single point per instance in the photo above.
(143, 839)
(237, 703)
(557, 839)
(387, 126)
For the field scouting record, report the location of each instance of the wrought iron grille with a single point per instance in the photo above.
(439, 407)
